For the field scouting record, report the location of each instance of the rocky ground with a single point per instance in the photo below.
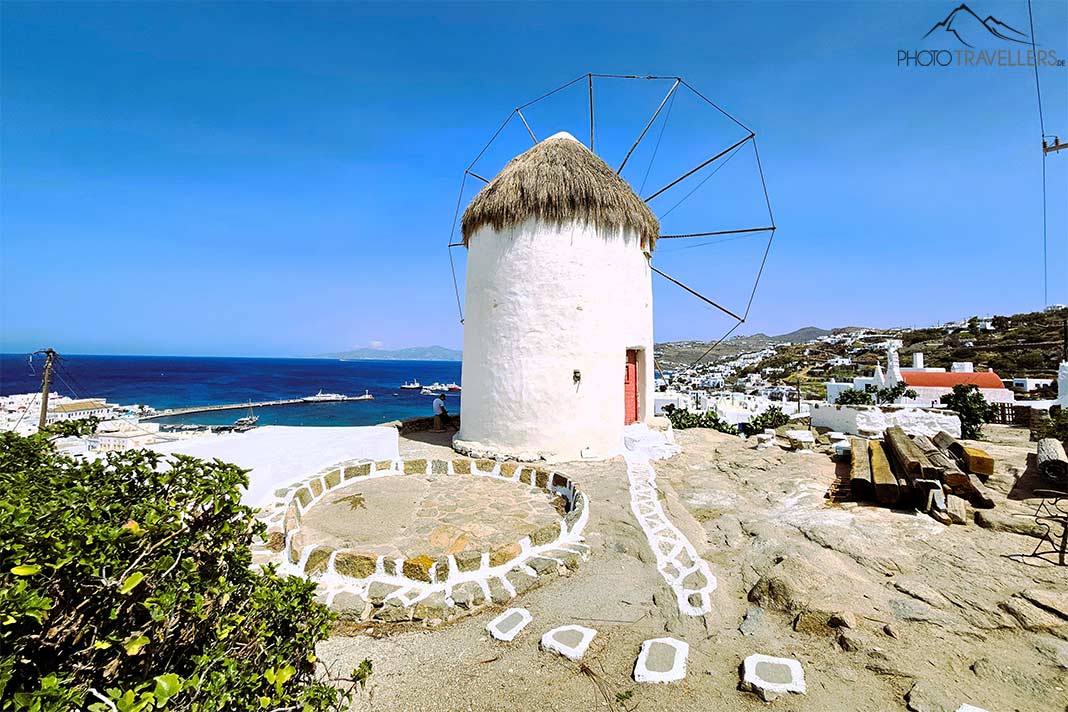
(886, 610)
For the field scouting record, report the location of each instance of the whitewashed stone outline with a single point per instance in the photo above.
(571, 652)
(493, 626)
(411, 592)
(758, 684)
(678, 670)
(665, 539)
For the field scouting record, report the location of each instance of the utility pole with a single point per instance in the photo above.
(1052, 147)
(50, 357)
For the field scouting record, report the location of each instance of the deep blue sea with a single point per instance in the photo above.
(173, 382)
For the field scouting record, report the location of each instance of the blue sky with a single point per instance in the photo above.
(272, 179)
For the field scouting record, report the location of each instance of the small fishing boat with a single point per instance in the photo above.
(249, 421)
(453, 387)
(414, 385)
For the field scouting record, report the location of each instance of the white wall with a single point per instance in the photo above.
(854, 418)
(931, 396)
(542, 302)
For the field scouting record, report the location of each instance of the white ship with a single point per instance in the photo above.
(321, 397)
(413, 386)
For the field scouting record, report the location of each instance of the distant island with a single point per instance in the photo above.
(412, 353)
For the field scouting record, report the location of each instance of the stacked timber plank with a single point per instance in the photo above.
(936, 475)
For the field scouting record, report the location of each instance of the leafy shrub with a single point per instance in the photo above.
(854, 396)
(891, 394)
(126, 582)
(770, 419)
(682, 419)
(1057, 426)
(971, 407)
(873, 395)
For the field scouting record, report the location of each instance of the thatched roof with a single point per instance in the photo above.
(558, 181)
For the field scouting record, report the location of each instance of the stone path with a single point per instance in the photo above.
(676, 558)
(770, 677)
(661, 660)
(571, 641)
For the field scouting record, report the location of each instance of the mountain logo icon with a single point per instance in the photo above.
(965, 25)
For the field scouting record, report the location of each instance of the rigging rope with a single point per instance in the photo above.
(703, 181)
(657, 146)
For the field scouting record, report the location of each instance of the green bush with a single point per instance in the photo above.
(1057, 426)
(854, 396)
(124, 581)
(770, 419)
(682, 419)
(873, 395)
(971, 407)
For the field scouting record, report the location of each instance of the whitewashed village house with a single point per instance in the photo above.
(558, 328)
(930, 384)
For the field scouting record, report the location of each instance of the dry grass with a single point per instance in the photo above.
(557, 181)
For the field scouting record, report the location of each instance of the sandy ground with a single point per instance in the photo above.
(938, 616)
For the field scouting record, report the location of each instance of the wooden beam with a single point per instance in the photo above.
(914, 464)
(882, 477)
(860, 470)
(1051, 460)
(978, 462)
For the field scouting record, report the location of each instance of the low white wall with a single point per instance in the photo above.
(876, 418)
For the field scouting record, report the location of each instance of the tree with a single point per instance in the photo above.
(971, 407)
(892, 394)
(128, 586)
(854, 396)
(873, 395)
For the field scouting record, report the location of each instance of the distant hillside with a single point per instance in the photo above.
(807, 333)
(1013, 346)
(684, 352)
(413, 353)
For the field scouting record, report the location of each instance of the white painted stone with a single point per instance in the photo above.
(858, 419)
(677, 670)
(571, 641)
(274, 453)
(676, 557)
(508, 625)
(969, 708)
(543, 302)
(757, 668)
(801, 436)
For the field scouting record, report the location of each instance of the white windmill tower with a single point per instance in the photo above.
(558, 321)
(558, 334)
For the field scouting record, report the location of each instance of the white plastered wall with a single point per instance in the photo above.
(544, 301)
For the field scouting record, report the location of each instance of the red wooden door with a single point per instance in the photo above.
(630, 389)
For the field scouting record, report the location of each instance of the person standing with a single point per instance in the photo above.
(441, 415)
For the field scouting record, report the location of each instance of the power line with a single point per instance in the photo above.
(1042, 128)
(24, 412)
(63, 368)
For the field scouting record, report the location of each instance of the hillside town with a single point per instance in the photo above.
(794, 375)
